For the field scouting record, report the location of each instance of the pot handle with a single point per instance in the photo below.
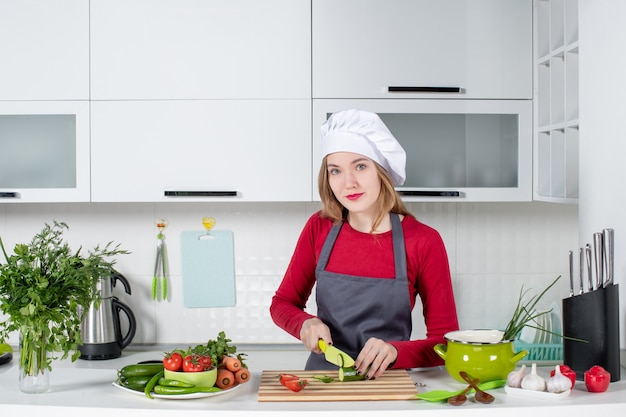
(441, 350)
(519, 355)
(132, 323)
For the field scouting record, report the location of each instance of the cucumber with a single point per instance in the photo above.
(148, 369)
(349, 374)
(135, 380)
(167, 390)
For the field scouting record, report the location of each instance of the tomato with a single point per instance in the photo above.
(597, 379)
(205, 361)
(287, 377)
(191, 364)
(173, 361)
(295, 385)
(568, 372)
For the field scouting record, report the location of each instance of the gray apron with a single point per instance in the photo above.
(358, 308)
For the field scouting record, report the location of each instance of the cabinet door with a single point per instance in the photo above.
(363, 47)
(213, 150)
(44, 151)
(457, 150)
(200, 49)
(44, 50)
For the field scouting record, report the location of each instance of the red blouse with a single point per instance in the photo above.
(363, 254)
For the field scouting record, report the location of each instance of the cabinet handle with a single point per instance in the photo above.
(410, 193)
(8, 194)
(408, 89)
(200, 193)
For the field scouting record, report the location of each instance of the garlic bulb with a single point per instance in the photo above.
(559, 382)
(514, 379)
(534, 381)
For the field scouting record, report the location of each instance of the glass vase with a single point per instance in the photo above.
(33, 365)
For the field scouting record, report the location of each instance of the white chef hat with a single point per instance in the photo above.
(363, 132)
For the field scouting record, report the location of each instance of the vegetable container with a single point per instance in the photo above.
(199, 379)
(481, 353)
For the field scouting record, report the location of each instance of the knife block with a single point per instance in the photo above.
(594, 318)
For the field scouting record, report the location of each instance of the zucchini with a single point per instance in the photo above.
(350, 374)
(148, 369)
(167, 390)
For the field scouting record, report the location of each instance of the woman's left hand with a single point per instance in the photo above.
(377, 355)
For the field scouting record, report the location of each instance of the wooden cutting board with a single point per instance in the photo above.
(395, 384)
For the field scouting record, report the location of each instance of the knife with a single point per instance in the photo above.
(609, 240)
(598, 250)
(334, 355)
(571, 273)
(581, 270)
(589, 270)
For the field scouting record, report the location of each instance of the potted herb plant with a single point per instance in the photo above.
(45, 290)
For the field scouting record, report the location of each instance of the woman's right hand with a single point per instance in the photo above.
(312, 330)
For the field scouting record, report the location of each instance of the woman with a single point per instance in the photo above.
(368, 258)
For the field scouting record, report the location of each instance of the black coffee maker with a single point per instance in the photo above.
(101, 328)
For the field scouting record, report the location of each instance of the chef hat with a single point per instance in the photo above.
(364, 133)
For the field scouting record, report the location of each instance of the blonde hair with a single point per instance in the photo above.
(388, 200)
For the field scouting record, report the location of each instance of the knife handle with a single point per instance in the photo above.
(589, 268)
(609, 241)
(581, 270)
(598, 249)
(571, 273)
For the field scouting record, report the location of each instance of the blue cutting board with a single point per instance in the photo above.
(208, 266)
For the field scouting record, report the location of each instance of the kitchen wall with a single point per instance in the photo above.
(602, 145)
(494, 250)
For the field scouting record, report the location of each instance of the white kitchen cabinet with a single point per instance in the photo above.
(201, 150)
(44, 50)
(44, 151)
(423, 48)
(556, 135)
(200, 49)
(457, 150)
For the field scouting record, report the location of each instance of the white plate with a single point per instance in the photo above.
(540, 395)
(181, 396)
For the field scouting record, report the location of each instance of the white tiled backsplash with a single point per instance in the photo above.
(494, 249)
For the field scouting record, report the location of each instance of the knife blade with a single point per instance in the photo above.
(334, 355)
(589, 269)
(571, 273)
(581, 270)
(598, 251)
(609, 241)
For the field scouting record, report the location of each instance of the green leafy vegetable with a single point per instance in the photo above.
(525, 314)
(45, 290)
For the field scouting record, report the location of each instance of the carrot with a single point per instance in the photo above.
(225, 378)
(231, 363)
(242, 375)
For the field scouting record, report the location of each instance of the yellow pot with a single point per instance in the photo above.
(481, 353)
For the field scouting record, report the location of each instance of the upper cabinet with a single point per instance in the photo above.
(201, 150)
(469, 49)
(556, 101)
(44, 151)
(44, 50)
(200, 49)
